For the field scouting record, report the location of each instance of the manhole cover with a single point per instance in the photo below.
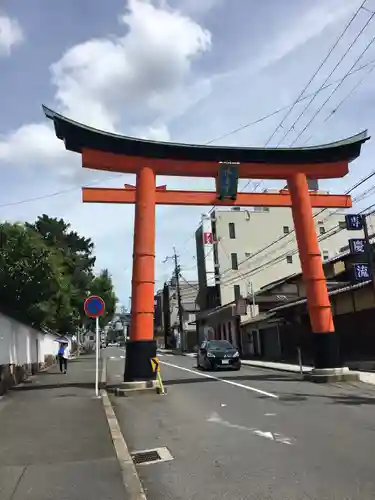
(151, 456)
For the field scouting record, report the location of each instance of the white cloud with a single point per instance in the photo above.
(140, 75)
(134, 82)
(10, 34)
(38, 139)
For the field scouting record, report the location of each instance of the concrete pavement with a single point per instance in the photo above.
(253, 434)
(55, 442)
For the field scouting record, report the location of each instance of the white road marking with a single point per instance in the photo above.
(230, 382)
(223, 404)
(270, 414)
(280, 438)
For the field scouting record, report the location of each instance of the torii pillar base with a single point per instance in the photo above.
(137, 363)
(329, 375)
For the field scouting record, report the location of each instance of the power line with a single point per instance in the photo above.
(333, 91)
(58, 193)
(317, 71)
(280, 257)
(283, 108)
(274, 242)
(227, 134)
(351, 92)
(292, 127)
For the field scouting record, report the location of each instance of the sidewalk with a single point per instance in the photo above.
(55, 442)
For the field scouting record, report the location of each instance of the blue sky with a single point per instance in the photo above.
(182, 70)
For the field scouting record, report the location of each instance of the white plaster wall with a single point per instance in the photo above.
(20, 344)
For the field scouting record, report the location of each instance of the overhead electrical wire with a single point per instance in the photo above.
(242, 276)
(333, 91)
(279, 258)
(313, 96)
(227, 134)
(350, 93)
(317, 71)
(339, 81)
(299, 98)
(274, 242)
(292, 127)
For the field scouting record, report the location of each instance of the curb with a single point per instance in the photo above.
(132, 483)
(276, 369)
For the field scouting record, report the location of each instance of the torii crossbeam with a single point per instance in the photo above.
(146, 159)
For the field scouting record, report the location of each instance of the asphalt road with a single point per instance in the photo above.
(253, 434)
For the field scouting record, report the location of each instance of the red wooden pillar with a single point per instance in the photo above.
(325, 338)
(142, 346)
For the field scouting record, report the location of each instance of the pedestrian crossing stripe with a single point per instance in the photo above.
(155, 364)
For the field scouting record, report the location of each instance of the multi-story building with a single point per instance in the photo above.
(236, 254)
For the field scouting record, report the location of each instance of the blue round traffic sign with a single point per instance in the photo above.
(94, 306)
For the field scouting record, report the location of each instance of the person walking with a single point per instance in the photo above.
(63, 355)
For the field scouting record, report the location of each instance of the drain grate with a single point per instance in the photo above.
(151, 456)
(146, 456)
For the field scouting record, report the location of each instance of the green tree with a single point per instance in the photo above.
(47, 272)
(102, 285)
(30, 277)
(73, 254)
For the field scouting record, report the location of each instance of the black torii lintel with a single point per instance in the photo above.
(77, 137)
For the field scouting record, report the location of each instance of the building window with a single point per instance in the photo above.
(325, 254)
(237, 292)
(247, 254)
(286, 229)
(234, 260)
(342, 224)
(322, 230)
(232, 231)
(289, 259)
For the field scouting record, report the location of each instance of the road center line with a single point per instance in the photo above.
(230, 382)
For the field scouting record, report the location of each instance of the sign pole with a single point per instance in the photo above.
(97, 358)
(94, 307)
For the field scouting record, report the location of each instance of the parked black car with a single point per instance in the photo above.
(214, 354)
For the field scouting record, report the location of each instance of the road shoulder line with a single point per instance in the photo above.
(226, 381)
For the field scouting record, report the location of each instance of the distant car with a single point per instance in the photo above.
(214, 354)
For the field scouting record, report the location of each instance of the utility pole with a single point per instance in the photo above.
(179, 301)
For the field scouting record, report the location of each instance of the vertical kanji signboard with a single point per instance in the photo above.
(357, 246)
(362, 271)
(354, 222)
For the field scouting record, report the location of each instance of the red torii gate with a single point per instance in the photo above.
(103, 151)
